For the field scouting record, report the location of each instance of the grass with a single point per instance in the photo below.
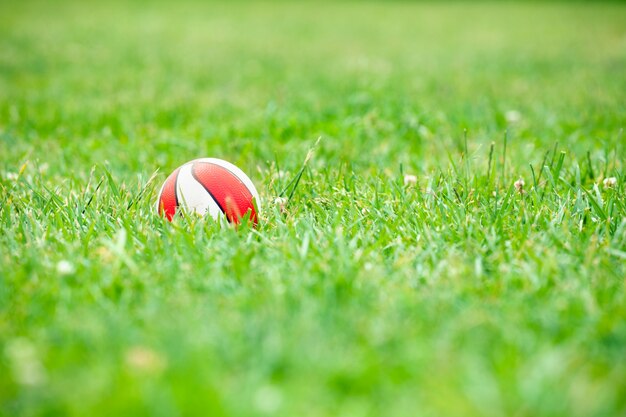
(458, 295)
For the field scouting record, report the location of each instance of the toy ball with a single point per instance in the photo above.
(209, 186)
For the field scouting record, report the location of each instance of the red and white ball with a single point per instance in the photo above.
(209, 186)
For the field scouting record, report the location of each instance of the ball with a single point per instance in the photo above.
(209, 186)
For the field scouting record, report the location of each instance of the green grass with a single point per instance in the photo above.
(454, 296)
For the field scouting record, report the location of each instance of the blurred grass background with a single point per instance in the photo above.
(271, 75)
(368, 298)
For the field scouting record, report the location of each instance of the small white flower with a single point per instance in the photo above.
(144, 359)
(268, 399)
(65, 268)
(424, 132)
(12, 176)
(281, 203)
(24, 362)
(410, 179)
(519, 185)
(513, 116)
(609, 182)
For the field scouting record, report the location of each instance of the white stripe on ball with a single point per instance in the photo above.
(193, 196)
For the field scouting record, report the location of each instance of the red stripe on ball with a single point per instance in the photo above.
(228, 191)
(168, 201)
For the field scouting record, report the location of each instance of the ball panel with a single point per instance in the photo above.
(230, 193)
(193, 196)
(237, 172)
(168, 199)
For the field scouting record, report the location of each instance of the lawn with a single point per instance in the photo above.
(456, 245)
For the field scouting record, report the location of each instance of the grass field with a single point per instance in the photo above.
(461, 294)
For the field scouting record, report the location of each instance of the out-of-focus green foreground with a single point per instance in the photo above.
(425, 265)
